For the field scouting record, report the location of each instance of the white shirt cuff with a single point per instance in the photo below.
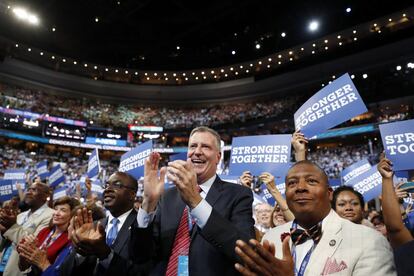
(201, 213)
(144, 218)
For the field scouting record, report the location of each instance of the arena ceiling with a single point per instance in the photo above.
(181, 34)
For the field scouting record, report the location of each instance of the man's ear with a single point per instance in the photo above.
(330, 192)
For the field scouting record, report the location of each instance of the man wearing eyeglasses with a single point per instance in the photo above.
(106, 243)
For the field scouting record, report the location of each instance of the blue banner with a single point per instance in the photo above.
(266, 196)
(16, 175)
(42, 170)
(331, 106)
(369, 183)
(132, 162)
(56, 176)
(7, 189)
(94, 166)
(262, 153)
(178, 156)
(398, 141)
(335, 183)
(106, 141)
(354, 170)
(60, 192)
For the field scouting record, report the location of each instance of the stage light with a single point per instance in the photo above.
(136, 73)
(24, 15)
(258, 46)
(313, 45)
(86, 65)
(241, 66)
(290, 53)
(29, 49)
(17, 45)
(202, 73)
(283, 34)
(410, 65)
(355, 39)
(339, 37)
(269, 59)
(196, 78)
(313, 26)
(106, 69)
(53, 57)
(95, 67)
(96, 19)
(178, 47)
(174, 74)
(389, 19)
(222, 70)
(155, 74)
(352, 76)
(398, 67)
(348, 10)
(212, 72)
(75, 62)
(247, 70)
(279, 56)
(302, 49)
(279, 62)
(354, 31)
(260, 63)
(326, 41)
(340, 43)
(313, 52)
(233, 52)
(193, 73)
(268, 66)
(91, 122)
(365, 76)
(231, 68)
(41, 53)
(251, 64)
(326, 48)
(116, 70)
(53, 29)
(236, 73)
(166, 79)
(126, 72)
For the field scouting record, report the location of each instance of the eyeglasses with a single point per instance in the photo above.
(117, 185)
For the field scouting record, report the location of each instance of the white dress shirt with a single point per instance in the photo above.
(200, 213)
(303, 248)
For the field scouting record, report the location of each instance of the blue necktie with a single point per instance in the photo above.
(113, 232)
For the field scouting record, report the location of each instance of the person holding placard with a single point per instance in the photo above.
(318, 241)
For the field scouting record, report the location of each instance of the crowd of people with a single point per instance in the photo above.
(111, 114)
(120, 115)
(206, 226)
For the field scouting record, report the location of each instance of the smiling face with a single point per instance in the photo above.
(61, 215)
(307, 193)
(119, 195)
(348, 206)
(204, 154)
(36, 195)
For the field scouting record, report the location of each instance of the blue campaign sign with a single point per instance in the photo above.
(179, 156)
(42, 170)
(354, 170)
(60, 192)
(94, 166)
(56, 176)
(335, 183)
(7, 189)
(331, 106)
(265, 195)
(398, 142)
(133, 161)
(16, 175)
(369, 183)
(261, 153)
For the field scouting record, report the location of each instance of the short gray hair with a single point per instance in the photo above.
(209, 130)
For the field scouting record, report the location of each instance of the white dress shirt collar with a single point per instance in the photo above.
(207, 184)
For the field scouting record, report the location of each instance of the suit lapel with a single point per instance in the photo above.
(329, 243)
(124, 232)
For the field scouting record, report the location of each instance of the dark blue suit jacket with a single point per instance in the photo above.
(212, 248)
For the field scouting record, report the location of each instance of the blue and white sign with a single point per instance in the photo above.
(94, 166)
(7, 189)
(261, 153)
(106, 141)
(60, 192)
(42, 170)
(16, 175)
(369, 183)
(96, 187)
(335, 183)
(331, 106)
(266, 195)
(133, 161)
(354, 170)
(178, 156)
(56, 176)
(398, 141)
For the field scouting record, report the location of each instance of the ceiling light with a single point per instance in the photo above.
(313, 26)
(348, 10)
(75, 62)
(41, 53)
(53, 29)
(178, 47)
(116, 70)
(339, 37)
(398, 67)
(365, 76)
(283, 34)
(96, 19)
(24, 15)
(258, 46)
(352, 76)
(233, 52)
